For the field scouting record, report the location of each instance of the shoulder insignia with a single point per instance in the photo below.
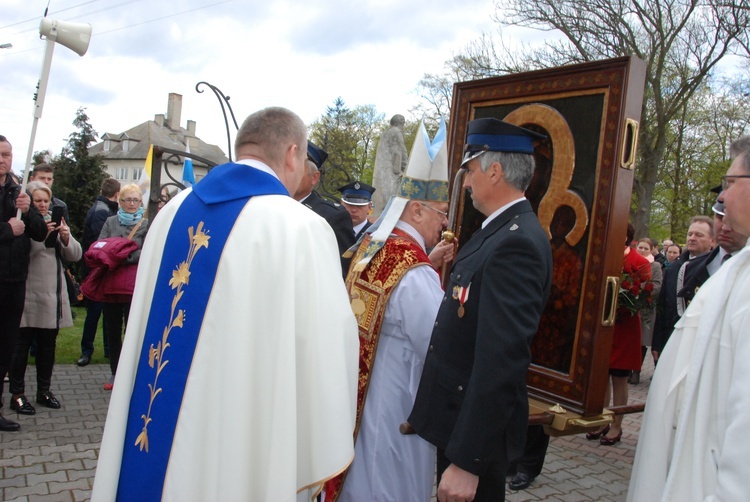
(513, 227)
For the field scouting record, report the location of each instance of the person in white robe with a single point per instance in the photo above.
(696, 429)
(390, 466)
(248, 426)
(387, 464)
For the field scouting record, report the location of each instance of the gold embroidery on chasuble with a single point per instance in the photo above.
(156, 354)
(369, 292)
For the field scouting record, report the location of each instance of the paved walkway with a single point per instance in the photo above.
(53, 457)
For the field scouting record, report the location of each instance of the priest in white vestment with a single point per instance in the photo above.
(402, 287)
(219, 393)
(693, 444)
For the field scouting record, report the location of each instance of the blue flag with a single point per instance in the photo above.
(188, 176)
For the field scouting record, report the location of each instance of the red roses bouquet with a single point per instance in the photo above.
(635, 293)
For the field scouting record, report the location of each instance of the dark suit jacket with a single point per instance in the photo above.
(666, 309)
(696, 274)
(362, 230)
(472, 399)
(339, 220)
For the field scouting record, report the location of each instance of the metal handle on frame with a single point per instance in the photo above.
(612, 290)
(630, 144)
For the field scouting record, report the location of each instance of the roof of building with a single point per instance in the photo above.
(150, 132)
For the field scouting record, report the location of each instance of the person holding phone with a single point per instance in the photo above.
(46, 174)
(47, 307)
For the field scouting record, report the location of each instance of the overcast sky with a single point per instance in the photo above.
(301, 55)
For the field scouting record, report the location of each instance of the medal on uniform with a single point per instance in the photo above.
(461, 295)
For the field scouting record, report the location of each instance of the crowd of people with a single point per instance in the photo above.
(250, 290)
(35, 252)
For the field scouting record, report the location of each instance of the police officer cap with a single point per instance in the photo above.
(316, 154)
(718, 208)
(494, 135)
(356, 193)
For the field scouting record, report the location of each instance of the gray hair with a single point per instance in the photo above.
(517, 167)
(741, 147)
(33, 186)
(311, 167)
(272, 130)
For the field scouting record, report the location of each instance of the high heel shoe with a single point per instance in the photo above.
(608, 441)
(593, 436)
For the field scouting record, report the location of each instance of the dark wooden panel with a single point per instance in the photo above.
(581, 193)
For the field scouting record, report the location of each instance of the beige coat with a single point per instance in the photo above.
(47, 304)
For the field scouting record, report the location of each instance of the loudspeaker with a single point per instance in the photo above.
(74, 36)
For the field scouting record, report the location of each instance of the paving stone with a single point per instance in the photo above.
(68, 487)
(47, 477)
(24, 470)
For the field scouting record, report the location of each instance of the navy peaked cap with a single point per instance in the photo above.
(494, 135)
(316, 154)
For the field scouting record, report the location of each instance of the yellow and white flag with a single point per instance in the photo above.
(145, 181)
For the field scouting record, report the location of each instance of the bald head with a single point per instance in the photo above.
(267, 135)
(278, 138)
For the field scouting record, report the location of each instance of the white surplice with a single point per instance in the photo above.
(259, 419)
(389, 466)
(693, 444)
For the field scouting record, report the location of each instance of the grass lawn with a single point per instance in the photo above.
(69, 341)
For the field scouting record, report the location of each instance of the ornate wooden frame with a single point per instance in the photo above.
(590, 113)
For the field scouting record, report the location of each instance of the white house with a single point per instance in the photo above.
(125, 153)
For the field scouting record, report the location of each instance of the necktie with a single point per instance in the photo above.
(726, 257)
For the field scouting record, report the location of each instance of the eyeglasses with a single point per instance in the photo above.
(131, 201)
(725, 180)
(442, 213)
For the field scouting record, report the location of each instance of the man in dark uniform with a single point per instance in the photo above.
(472, 401)
(700, 269)
(336, 216)
(357, 200)
(669, 308)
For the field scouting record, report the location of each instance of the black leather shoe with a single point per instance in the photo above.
(22, 406)
(48, 399)
(8, 425)
(520, 481)
(84, 360)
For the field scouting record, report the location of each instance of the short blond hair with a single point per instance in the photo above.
(130, 188)
(33, 186)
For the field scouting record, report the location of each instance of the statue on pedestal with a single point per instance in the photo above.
(390, 163)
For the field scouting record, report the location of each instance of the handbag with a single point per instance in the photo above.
(74, 289)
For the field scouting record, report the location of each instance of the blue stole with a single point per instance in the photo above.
(192, 252)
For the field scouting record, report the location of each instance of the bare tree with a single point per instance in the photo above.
(681, 41)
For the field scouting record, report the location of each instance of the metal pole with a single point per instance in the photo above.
(38, 106)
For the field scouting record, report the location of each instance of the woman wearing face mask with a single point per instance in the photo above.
(129, 223)
(46, 308)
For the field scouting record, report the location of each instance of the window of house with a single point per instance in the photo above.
(107, 145)
(137, 172)
(125, 145)
(122, 173)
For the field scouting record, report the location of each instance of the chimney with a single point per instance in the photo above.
(159, 119)
(191, 127)
(174, 110)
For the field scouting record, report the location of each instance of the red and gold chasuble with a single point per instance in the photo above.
(369, 292)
